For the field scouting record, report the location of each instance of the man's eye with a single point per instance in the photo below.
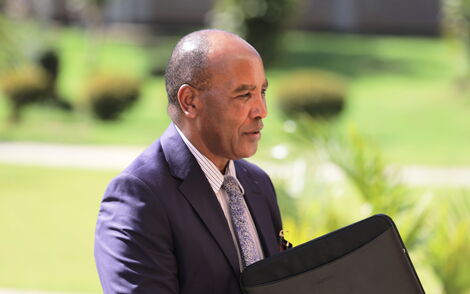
(263, 92)
(246, 95)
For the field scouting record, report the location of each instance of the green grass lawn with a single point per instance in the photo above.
(436, 130)
(47, 220)
(402, 93)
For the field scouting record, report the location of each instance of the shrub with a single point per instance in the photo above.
(108, 95)
(50, 62)
(315, 93)
(448, 250)
(378, 186)
(24, 86)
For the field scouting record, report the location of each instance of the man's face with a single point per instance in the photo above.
(230, 122)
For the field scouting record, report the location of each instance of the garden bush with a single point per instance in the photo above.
(318, 94)
(24, 86)
(50, 62)
(449, 247)
(108, 95)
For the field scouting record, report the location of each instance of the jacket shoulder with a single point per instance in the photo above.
(253, 169)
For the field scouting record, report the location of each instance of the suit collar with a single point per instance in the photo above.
(180, 160)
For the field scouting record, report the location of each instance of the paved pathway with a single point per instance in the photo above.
(118, 157)
(58, 155)
(13, 291)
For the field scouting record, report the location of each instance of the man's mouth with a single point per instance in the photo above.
(254, 134)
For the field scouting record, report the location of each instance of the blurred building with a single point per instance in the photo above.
(165, 14)
(419, 17)
(371, 16)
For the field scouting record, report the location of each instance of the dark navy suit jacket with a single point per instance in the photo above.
(161, 229)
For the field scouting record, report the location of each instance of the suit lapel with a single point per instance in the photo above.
(196, 189)
(200, 195)
(259, 209)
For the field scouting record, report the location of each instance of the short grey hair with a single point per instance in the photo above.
(188, 66)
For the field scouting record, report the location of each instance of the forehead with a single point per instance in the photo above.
(233, 70)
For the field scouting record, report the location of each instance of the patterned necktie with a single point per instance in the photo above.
(239, 214)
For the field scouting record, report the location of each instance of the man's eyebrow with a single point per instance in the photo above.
(246, 87)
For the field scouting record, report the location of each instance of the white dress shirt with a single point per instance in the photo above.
(216, 178)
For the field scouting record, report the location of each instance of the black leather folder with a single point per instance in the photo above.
(367, 257)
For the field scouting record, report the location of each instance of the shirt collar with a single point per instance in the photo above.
(212, 173)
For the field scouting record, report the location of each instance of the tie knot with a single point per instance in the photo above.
(230, 185)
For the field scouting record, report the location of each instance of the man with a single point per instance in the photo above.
(188, 214)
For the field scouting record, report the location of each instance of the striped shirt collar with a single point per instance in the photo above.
(212, 173)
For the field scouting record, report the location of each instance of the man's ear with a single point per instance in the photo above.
(188, 100)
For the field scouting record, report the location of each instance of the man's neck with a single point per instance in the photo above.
(198, 143)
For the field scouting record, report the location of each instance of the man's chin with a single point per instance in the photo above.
(249, 152)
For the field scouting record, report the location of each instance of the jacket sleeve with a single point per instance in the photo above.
(133, 240)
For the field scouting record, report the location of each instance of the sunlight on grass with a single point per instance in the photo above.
(47, 219)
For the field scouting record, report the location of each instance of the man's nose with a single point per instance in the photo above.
(259, 109)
